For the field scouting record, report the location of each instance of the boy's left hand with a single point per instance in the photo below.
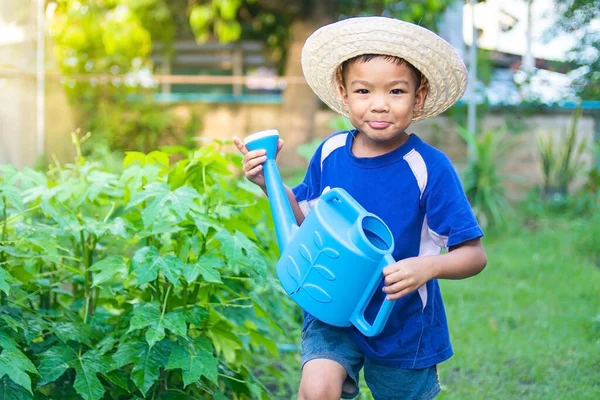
(406, 276)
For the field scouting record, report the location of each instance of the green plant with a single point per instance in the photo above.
(483, 183)
(148, 282)
(561, 158)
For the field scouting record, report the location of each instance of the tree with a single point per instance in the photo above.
(116, 36)
(225, 20)
(577, 17)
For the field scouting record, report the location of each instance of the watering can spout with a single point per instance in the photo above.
(281, 209)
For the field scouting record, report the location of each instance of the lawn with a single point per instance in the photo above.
(529, 325)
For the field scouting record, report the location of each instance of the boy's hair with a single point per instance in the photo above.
(420, 79)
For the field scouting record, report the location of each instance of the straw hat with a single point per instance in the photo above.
(329, 46)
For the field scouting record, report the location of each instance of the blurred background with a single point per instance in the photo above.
(106, 85)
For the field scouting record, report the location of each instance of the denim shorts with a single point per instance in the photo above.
(322, 341)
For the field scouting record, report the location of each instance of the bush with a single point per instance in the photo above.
(561, 159)
(481, 179)
(152, 281)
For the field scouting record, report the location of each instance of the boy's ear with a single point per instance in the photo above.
(420, 98)
(343, 94)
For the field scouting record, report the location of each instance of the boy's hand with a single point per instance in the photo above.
(252, 162)
(406, 276)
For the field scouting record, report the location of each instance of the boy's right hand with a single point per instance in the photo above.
(253, 160)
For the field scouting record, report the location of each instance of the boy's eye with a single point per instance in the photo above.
(361, 91)
(397, 91)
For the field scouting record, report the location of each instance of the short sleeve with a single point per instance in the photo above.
(449, 215)
(309, 190)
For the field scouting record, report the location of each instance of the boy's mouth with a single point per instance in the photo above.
(378, 124)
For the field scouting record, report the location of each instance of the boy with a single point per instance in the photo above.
(383, 74)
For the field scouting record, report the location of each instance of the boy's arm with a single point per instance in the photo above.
(298, 214)
(295, 206)
(462, 261)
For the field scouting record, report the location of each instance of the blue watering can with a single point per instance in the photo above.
(332, 264)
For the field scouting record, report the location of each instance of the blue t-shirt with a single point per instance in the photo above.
(415, 190)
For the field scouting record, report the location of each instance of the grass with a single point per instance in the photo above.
(529, 325)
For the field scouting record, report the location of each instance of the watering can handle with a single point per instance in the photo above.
(346, 202)
(358, 319)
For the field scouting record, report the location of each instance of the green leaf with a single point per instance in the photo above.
(179, 202)
(204, 223)
(147, 262)
(105, 345)
(7, 342)
(232, 246)
(159, 158)
(87, 383)
(132, 157)
(148, 315)
(260, 339)
(206, 266)
(75, 331)
(222, 334)
(135, 176)
(200, 16)
(56, 360)
(16, 365)
(195, 360)
(220, 396)
(12, 323)
(229, 8)
(118, 379)
(5, 280)
(107, 268)
(146, 361)
(12, 196)
(240, 250)
(12, 391)
(196, 315)
(116, 227)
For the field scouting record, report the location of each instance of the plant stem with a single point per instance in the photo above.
(4, 237)
(87, 274)
(185, 293)
(4, 227)
(165, 301)
(157, 287)
(195, 293)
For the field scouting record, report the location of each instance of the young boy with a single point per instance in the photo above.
(384, 74)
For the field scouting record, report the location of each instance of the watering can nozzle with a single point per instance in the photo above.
(283, 216)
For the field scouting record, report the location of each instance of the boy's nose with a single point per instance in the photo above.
(379, 104)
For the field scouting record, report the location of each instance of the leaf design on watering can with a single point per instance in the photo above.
(305, 253)
(293, 270)
(317, 293)
(325, 272)
(318, 240)
(331, 253)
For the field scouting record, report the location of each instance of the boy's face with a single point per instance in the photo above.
(381, 97)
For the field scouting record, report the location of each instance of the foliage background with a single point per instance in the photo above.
(150, 282)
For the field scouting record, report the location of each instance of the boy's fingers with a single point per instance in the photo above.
(251, 163)
(251, 155)
(396, 276)
(254, 171)
(240, 145)
(390, 269)
(396, 287)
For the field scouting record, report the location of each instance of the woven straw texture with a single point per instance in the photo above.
(329, 46)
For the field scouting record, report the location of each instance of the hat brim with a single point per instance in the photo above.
(328, 47)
